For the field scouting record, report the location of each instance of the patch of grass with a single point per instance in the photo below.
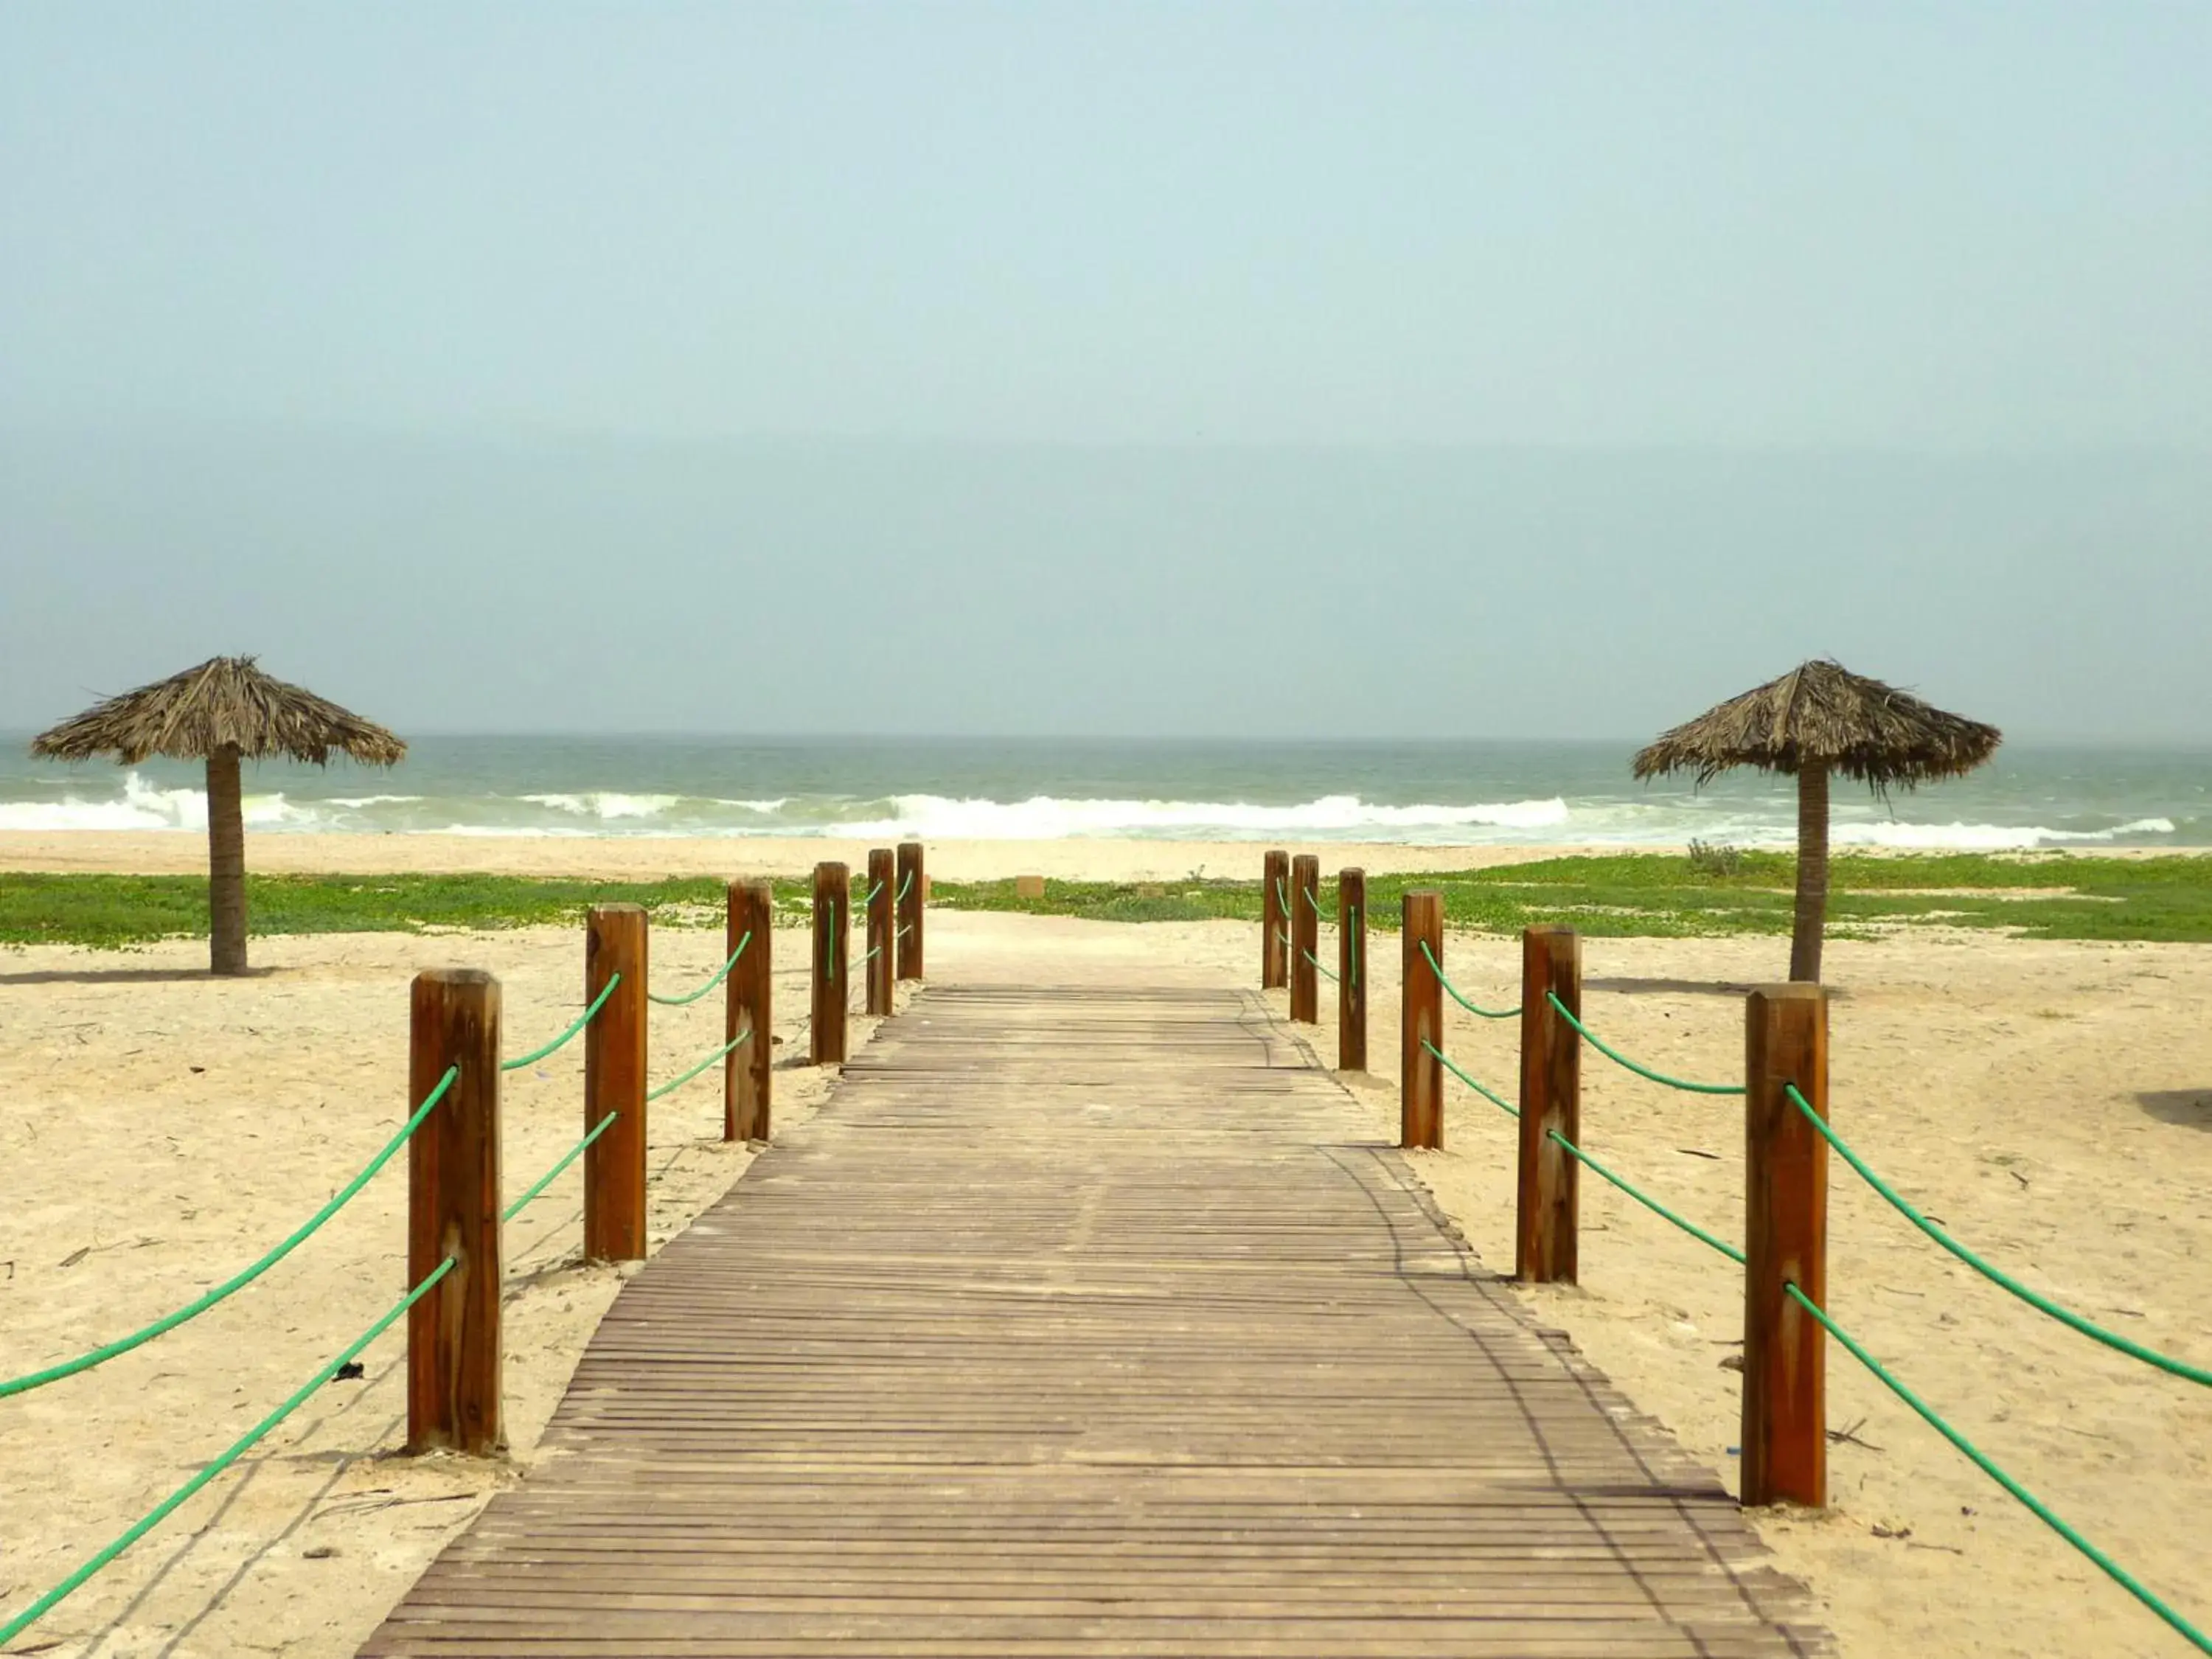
(109, 911)
(1628, 896)
(1666, 895)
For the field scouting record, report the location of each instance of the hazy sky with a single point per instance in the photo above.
(1486, 369)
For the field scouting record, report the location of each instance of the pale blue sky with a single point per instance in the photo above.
(1762, 329)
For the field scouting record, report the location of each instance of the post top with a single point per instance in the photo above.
(1790, 991)
(1549, 929)
(1352, 869)
(830, 867)
(621, 908)
(753, 885)
(456, 976)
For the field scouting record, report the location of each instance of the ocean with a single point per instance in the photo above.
(1445, 793)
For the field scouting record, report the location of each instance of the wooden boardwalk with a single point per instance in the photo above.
(1088, 1320)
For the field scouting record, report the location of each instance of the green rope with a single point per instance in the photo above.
(899, 897)
(1650, 1203)
(1995, 1274)
(1315, 960)
(567, 1158)
(1511, 1109)
(1282, 899)
(1619, 1059)
(1436, 968)
(240, 1280)
(671, 1087)
(721, 973)
(582, 1020)
(830, 946)
(904, 931)
(46, 1603)
(1353, 937)
(873, 952)
(1312, 904)
(1981, 1461)
(871, 897)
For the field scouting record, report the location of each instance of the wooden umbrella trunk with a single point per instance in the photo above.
(225, 863)
(1812, 918)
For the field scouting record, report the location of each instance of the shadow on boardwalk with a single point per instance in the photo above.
(1080, 1322)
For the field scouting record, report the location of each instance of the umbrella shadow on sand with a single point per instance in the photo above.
(2189, 1108)
(125, 976)
(1688, 988)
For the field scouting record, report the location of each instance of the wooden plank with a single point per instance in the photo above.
(615, 942)
(1546, 1216)
(749, 1072)
(1084, 1320)
(452, 1208)
(1785, 1413)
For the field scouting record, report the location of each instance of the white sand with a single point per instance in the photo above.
(2053, 1102)
(645, 858)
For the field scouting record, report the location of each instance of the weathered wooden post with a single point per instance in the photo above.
(912, 888)
(1305, 935)
(748, 1070)
(453, 1210)
(1785, 1412)
(614, 1081)
(1551, 1103)
(832, 930)
(883, 891)
(1352, 970)
(1274, 941)
(1421, 1103)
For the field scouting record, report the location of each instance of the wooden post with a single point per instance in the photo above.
(747, 1071)
(1785, 1413)
(1274, 948)
(912, 887)
(614, 1081)
(1305, 934)
(832, 929)
(1545, 1218)
(883, 891)
(453, 1209)
(1421, 1106)
(1352, 970)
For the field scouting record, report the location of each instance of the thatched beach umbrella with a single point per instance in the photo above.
(221, 712)
(1816, 719)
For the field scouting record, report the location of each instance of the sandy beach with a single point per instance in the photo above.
(648, 858)
(2051, 1103)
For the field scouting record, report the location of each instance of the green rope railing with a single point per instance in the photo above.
(899, 897)
(1995, 1274)
(245, 1276)
(1619, 1059)
(1352, 946)
(1316, 962)
(1649, 1202)
(1436, 968)
(720, 974)
(46, 1603)
(870, 897)
(567, 1158)
(1506, 1106)
(830, 946)
(1982, 1460)
(1312, 904)
(674, 1084)
(869, 955)
(582, 1020)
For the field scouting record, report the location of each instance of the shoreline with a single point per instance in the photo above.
(176, 852)
(623, 858)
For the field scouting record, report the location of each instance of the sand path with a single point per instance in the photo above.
(2051, 1101)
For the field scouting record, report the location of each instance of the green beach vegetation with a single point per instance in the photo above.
(1649, 894)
